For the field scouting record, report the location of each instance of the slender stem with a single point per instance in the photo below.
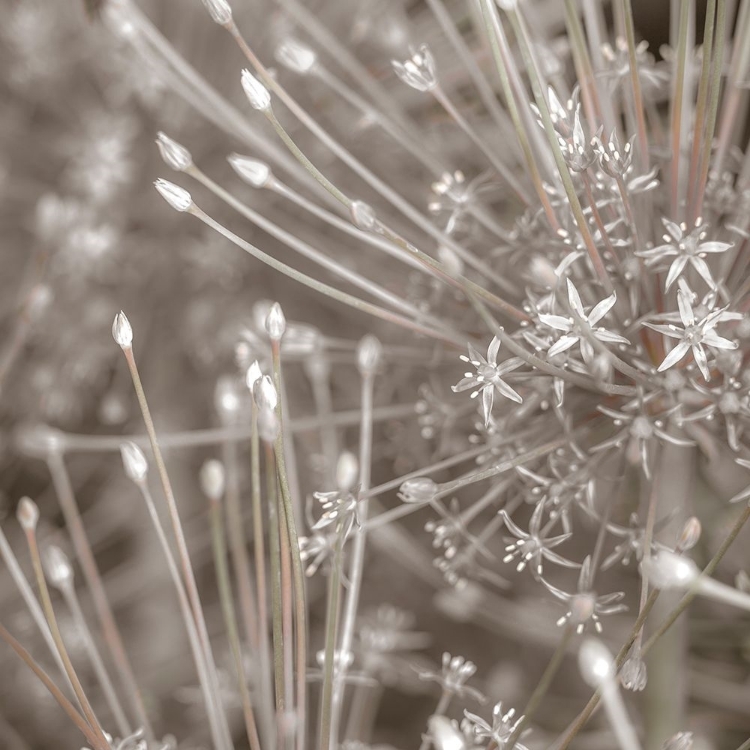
(543, 685)
(230, 620)
(111, 633)
(182, 550)
(297, 569)
(676, 115)
(49, 611)
(91, 737)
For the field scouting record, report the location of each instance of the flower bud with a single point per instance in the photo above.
(347, 470)
(265, 393)
(363, 216)
(220, 11)
(595, 662)
(253, 375)
(419, 70)
(418, 490)
(213, 480)
(295, 56)
(668, 570)
(177, 197)
(268, 425)
(122, 332)
(175, 155)
(253, 171)
(134, 462)
(445, 735)
(275, 322)
(369, 352)
(257, 94)
(227, 399)
(27, 514)
(691, 533)
(57, 567)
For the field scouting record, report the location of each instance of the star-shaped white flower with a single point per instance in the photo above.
(488, 377)
(576, 330)
(694, 334)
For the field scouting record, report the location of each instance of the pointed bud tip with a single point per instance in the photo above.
(219, 10)
(27, 514)
(253, 171)
(134, 462)
(122, 331)
(295, 56)
(176, 196)
(175, 155)
(257, 94)
(275, 322)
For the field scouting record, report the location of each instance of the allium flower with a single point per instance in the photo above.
(418, 71)
(452, 678)
(489, 377)
(499, 731)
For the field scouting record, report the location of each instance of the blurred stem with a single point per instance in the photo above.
(230, 620)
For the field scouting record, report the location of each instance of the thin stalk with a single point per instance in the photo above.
(182, 550)
(331, 629)
(319, 286)
(677, 102)
(210, 697)
(267, 726)
(542, 686)
(49, 612)
(11, 562)
(65, 704)
(230, 620)
(110, 632)
(71, 600)
(357, 559)
(287, 612)
(442, 706)
(297, 569)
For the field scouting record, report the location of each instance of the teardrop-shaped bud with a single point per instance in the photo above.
(220, 11)
(347, 471)
(295, 56)
(418, 490)
(369, 353)
(27, 514)
(134, 462)
(257, 94)
(363, 216)
(253, 375)
(177, 197)
(122, 332)
(57, 567)
(265, 393)
(275, 322)
(268, 425)
(253, 171)
(213, 479)
(175, 155)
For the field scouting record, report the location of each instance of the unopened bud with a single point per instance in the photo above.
(57, 567)
(595, 662)
(257, 94)
(253, 171)
(175, 155)
(445, 735)
(227, 399)
(691, 533)
(363, 216)
(418, 490)
(177, 197)
(253, 375)
(347, 470)
(296, 56)
(220, 11)
(453, 264)
(134, 462)
(668, 570)
(27, 514)
(213, 479)
(265, 393)
(275, 322)
(369, 352)
(122, 331)
(268, 425)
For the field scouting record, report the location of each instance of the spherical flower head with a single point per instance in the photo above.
(212, 479)
(134, 462)
(369, 354)
(174, 154)
(347, 471)
(27, 514)
(418, 490)
(57, 567)
(220, 11)
(253, 171)
(418, 71)
(122, 331)
(595, 662)
(295, 56)
(668, 570)
(177, 197)
(257, 94)
(275, 322)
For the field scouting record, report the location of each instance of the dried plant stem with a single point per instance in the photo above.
(300, 609)
(230, 620)
(49, 612)
(110, 632)
(182, 550)
(543, 685)
(91, 737)
(210, 696)
(110, 695)
(677, 104)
